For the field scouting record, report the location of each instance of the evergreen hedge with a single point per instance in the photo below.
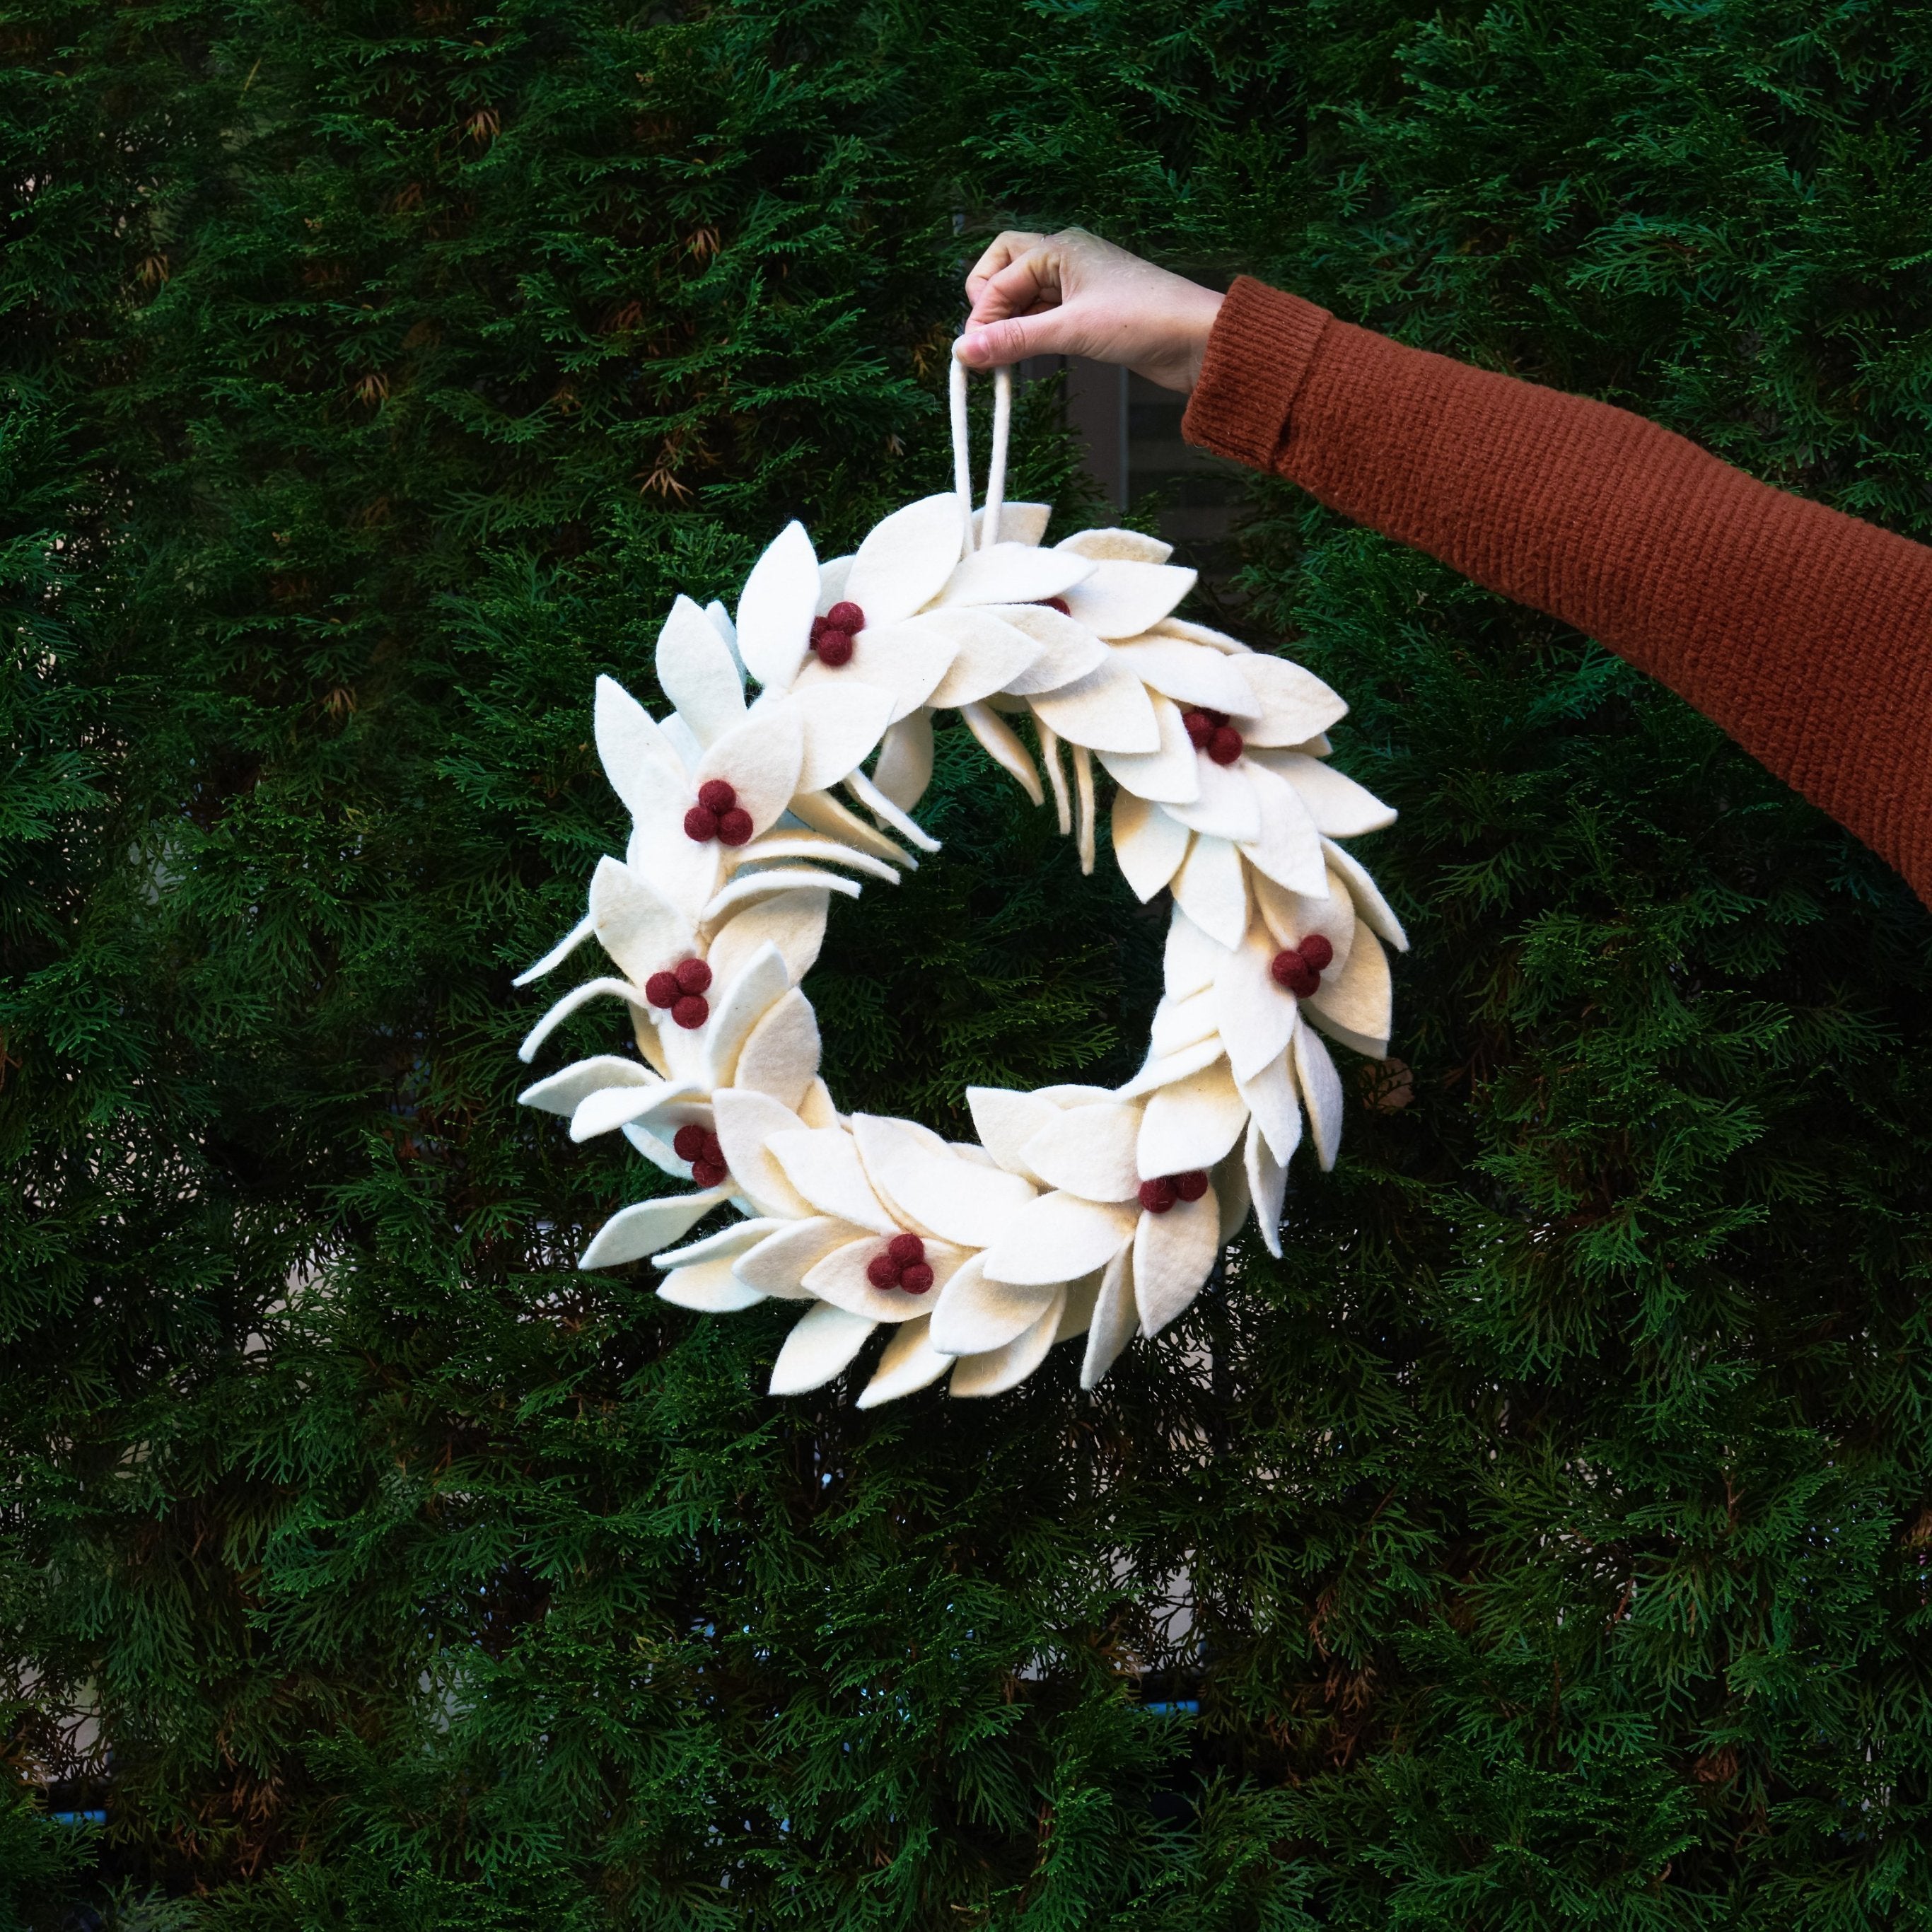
(1545, 1541)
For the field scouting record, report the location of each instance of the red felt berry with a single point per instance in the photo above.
(693, 976)
(707, 1173)
(662, 989)
(1316, 950)
(717, 795)
(1200, 728)
(701, 823)
(845, 616)
(688, 1143)
(882, 1271)
(1225, 746)
(1294, 973)
(714, 1148)
(916, 1279)
(906, 1249)
(835, 649)
(1190, 1186)
(734, 827)
(691, 1012)
(1157, 1196)
(1059, 604)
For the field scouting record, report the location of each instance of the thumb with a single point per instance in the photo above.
(989, 345)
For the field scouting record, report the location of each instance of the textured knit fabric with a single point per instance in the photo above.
(1806, 633)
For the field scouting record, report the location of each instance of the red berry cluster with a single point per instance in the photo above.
(718, 814)
(683, 990)
(1299, 968)
(699, 1145)
(1209, 731)
(1158, 1196)
(901, 1264)
(832, 635)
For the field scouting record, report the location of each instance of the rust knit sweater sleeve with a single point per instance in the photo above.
(1806, 633)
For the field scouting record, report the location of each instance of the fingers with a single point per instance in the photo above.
(1006, 248)
(1030, 282)
(1011, 340)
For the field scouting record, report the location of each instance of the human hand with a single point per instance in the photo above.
(1072, 294)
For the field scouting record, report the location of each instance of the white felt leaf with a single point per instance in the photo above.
(1293, 704)
(1171, 774)
(708, 1287)
(681, 870)
(1165, 1069)
(1114, 1321)
(1107, 710)
(1002, 1369)
(640, 764)
(1191, 1123)
(816, 1109)
(698, 673)
(910, 1362)
(736, 1007)
(775, 608)
(1058, 1237)
(905, 559)
(1067, 650)
(1003, 745)
(1292, 917)
(842, 1279)
(1180, 1023)
(780, 1261)
(659, 1153)
(1254, 1016)
(1174, 1254)
(728, 901)
(721, 622)
(793, 921)
(1225, 806)
(1275, 1106)
(760, 760)
(1289, 850)
(780, 1056)
(841, 724)
(1089, 1152)
(1321, 1091)
(558, 953)
(1367, 895)
(905, 768)
(1355, 1000)
(1013, 573)
(1076, 1311)
(833, 573)
(1075, 1093)
(822, 1163)
(744, 1122)
(1191, 959)
(683, 740)
(561, 1009)
(905, 660)
(644, 1227)
(1005, 1120)
(611, 1108)
(561, 1092)
(974, 1314)
(1019, 523)
(738, 1239)
(778, 843)
(1191, 674)
(1200, 633)
(1148, 845)
(882, 808)
(1116, 547)
(822, 1344)
(640, 929)
(1122, 600)
(989, 652)
(1267, 1186)
(958, 1200)
(1340, 808)
(1211, 889)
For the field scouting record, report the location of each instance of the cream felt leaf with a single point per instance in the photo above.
(1321, 1093)
(644, 1227)
(1113, 1320)
(1089, 1152)
(1122, 600)
(1165, 1069)
(558, 953)
(1019, 523)
(909, 1363)
(1273, 1101)
(958, 1200)
(1003, 1369)
(793, 920)
(738, 1239)
(974, 1314)
(1149, 845)
(816, 1109)
(1003, 746)
(1230, 1185)
(1076, 1310)
(833, 574)
(683, 740)
(637, 926)
(905, 660)
(1191, 959)
(779, 1262)
(682, 870)
(780, 1056)
(698, 673)
(578, 996)
(745, 1122)
(659, 1153)
(1190, 673)
(1256, 1017)
(1107, 710)
(905, 559)
(1356, 1000)
(1068, 651)
(1173, 1255)
(905, 768)
(759, 760)
(729, 901)
(841, 723)
(1289, 849)
(1211, 889)
(1013, 573)
(821, 1345)
(1201, 634)
(989, 652)
(1292, 917)
(1375, 909)
(1057, 1237)
(561, 1092)
(1181, 1023)
(1191, 1123)
(1116, 547)
(837, 819)
(636, 759)
(842, 1279)
(1290, 704)
(1267, 1186)
(1075, 1093)
(779, 843)
(1226, 808)
(721, 622)
(1340, 808)
(611, 1108)
(823, 1165)
(775, 610)
(708, 1287)
(1056, 774)
(875, 801)
(1172, 775)
(761, 982)
(1006, 1120)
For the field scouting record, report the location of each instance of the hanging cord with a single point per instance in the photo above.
(962, 457)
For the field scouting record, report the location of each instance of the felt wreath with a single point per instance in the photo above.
(1082, 1211)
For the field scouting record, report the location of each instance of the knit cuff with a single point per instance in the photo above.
(1258, 353)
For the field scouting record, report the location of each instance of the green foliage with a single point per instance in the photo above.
(1551, 1528)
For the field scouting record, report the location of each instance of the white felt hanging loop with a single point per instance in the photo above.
(989, 521)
